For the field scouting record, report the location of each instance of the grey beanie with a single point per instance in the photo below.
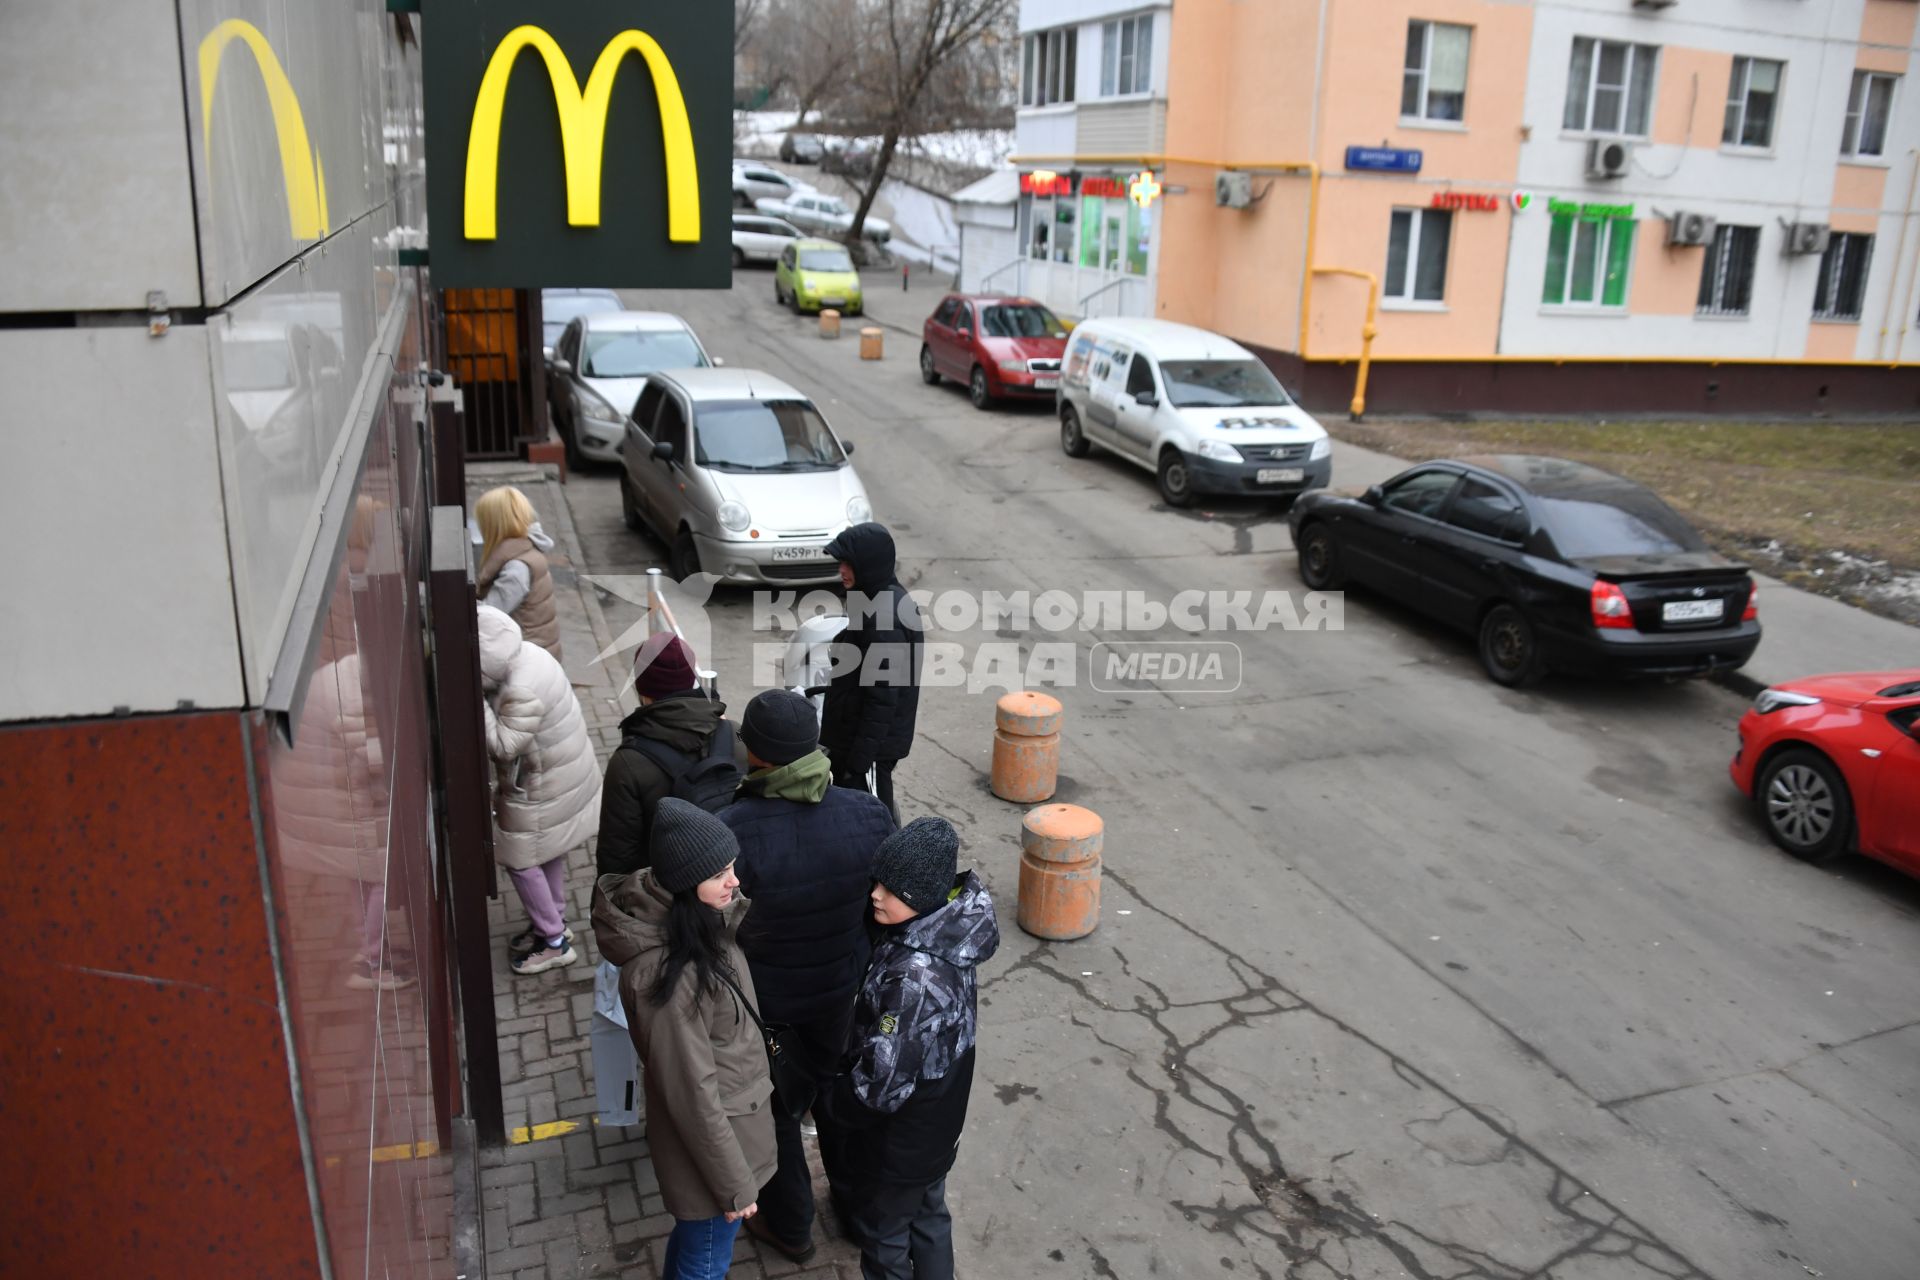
(688, 845)
(918, 863)
(780, 726)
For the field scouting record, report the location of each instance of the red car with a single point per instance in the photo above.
(996, 346)
(1832, 763)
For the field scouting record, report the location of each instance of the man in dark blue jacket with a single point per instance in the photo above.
(868, 719)
(806, 862)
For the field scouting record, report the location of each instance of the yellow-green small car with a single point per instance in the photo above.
(813, 275)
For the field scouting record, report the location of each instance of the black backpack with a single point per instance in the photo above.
(709, 782)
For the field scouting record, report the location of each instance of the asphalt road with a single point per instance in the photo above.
(1398, 973)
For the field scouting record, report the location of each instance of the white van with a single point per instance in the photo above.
(1200, 412)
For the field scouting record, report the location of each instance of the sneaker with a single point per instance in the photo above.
(800, 1254)
(526, 942)
(808, 1127)
(367, 978)
(545, 958)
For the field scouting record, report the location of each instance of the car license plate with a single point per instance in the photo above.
(800, 553)
(1279, 475)
(1046, 381)
(833, 302)
(1692, 610)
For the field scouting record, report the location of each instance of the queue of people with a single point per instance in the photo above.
(755, 895)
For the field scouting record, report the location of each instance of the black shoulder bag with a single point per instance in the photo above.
(793, 1083)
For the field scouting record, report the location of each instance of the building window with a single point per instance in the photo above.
(1435, 84)
(1610, 86)
(1869, 106)
(1126, 56)
(1751, 95)
(1726, 277)
(1417, 254)
(1588, 261)
(1047, 67)
(1843, 277)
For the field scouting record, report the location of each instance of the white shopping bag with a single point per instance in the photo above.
(616, 1067)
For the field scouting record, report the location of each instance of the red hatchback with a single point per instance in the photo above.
(1832, 763)
(996, 347)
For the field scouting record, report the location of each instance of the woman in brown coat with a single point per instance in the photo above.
(670, 927)
(514, 577)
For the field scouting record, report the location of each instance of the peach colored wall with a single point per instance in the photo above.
(1691, 98)
(1859, 193)
(1891, 61)
(1888, 22)
(1827, 340)
(1666, 279)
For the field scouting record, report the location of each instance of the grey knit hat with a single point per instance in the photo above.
(780, 726)
(688, 845)
(918, 863)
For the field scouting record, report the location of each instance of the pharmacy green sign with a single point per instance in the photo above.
(1588, 212)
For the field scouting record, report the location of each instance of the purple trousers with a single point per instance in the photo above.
(543, 890)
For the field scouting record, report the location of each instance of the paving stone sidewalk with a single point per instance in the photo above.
(568, 1197)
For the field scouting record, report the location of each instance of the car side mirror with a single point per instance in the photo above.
(1146, 399)
(1374, 495)
(560, 365)
(664, 451)
(719, 362)
(846, 447)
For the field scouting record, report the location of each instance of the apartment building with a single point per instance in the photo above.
(1719, 194)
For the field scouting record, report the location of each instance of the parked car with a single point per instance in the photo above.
(759, 238)
(1196, 409)
(1552, 564)
(755, 182)
(599, 367)
(740, 475)
(851, 157)
(558, 306)
(802, 148)
(995, 346)
(822, 214)
(812, 275)
(1832, 764)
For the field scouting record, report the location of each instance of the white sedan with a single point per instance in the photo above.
(760, 238)
(822, 214)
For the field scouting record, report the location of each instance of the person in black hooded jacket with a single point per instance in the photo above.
(868, 719)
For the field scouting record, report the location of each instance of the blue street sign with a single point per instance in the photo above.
(1383, 159)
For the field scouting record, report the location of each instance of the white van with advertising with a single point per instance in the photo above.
(1200, 412)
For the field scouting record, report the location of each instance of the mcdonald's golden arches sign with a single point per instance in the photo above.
(585, 143)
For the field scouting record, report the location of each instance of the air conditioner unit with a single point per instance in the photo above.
(1233, 190)
(1691, 228)
(1808, 237)
(1608, 157)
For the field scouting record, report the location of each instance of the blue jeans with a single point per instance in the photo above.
(699, 1249)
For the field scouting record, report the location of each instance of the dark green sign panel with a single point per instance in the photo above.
(586, 143)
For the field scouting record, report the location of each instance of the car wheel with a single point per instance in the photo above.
(739, 260)
(683, 561)
(1320, 566)
(741, 200)
(1176, 481)
(1509, 650)
(1804, 802)
(629, 510)
(1073, 441)
(928, 374)
(977, 389)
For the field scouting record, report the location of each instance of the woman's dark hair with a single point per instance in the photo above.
(696, 938)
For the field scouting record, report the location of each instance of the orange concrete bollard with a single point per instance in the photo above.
(1026, 747)
(1060, 872)
(829, 323)
(870, 339)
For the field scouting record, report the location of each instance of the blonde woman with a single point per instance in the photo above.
(513, 565)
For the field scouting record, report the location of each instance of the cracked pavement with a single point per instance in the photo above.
(1399, 973)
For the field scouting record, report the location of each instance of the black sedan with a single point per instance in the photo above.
(1552, 564)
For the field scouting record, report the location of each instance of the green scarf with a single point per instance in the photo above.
(805, 779)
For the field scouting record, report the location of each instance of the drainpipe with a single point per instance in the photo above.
(1313, 181)
(1913, 278)
(1899, 253)
(1367, 332)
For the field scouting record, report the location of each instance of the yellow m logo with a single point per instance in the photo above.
(583, 130)
(300, 164)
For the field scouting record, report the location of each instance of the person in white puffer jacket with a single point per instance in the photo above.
(547, 783)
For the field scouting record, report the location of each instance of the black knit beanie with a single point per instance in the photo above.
(780, 726)
(918, 863)
(688, 845)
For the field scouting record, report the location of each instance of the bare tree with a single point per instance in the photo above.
(744, 13)
(915, 42)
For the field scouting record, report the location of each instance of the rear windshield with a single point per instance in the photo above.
(1024, 320)
(1209, 384)
(825, 260)
(1618, 522)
